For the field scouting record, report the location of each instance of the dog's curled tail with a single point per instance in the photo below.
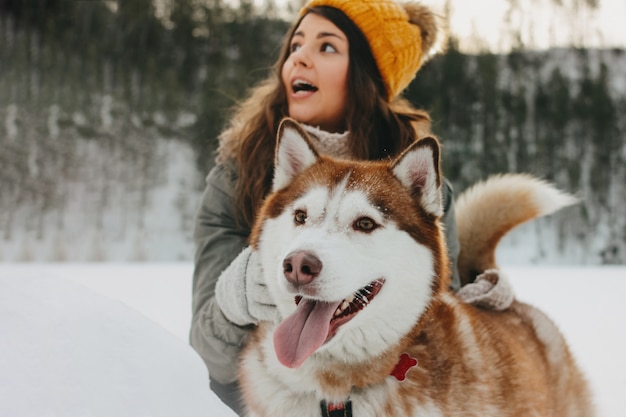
(490, 209)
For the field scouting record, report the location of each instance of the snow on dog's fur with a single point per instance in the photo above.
(354, 255)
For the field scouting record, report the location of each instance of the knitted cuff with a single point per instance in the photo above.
(230, 291)
(491, 290)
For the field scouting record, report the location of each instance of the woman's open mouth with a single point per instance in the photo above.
(302, 86)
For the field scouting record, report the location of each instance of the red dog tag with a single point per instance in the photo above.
(402, 367)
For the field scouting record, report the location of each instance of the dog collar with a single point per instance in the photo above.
(344, 409)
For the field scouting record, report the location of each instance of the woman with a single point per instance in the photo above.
(340, 71)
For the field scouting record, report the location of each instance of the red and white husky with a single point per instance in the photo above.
(354, 255)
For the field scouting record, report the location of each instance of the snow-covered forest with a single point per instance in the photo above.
(108, 119)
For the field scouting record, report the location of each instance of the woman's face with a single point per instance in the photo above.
(315, 74)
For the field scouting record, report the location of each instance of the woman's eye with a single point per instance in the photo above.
(365, 224)
(294, 47)
(300, 217)
(328, 48)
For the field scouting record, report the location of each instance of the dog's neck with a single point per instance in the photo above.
(338, 378)
(344, 408)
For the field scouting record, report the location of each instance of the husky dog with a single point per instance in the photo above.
(354, 256)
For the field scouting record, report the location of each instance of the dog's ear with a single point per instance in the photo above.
(294, 153)
(417, 168)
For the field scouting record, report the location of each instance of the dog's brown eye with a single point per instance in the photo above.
(300, 217)
(365, 224)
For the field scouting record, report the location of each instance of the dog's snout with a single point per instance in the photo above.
(301, 267)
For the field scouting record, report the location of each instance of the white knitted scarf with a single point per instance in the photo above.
(331, 144)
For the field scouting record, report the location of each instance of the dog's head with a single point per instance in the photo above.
(352, 251)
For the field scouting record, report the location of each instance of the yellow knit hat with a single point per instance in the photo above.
(399, 35)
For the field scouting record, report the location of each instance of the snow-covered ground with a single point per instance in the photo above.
(111, 339)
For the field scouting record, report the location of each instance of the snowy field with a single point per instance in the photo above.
(111, 339)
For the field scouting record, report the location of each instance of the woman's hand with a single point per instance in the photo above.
(242, 294)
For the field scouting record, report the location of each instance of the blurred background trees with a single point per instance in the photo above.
(98, 98)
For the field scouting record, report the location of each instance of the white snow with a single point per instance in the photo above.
(111, 339)
(69, 350)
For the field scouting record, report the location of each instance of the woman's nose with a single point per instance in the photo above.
(301, 57)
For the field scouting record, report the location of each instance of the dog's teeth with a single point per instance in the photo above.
(360, 296)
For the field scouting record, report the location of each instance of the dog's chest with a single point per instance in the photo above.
(383, 400)
(291, 392)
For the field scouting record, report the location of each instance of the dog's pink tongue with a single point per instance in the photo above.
(302, 333)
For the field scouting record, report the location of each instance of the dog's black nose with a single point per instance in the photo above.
(301, 267)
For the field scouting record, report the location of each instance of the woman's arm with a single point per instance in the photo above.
(218, 241)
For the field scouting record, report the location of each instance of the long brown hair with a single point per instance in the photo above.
(378, 128)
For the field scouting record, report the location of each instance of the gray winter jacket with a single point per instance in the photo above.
(218, 241)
